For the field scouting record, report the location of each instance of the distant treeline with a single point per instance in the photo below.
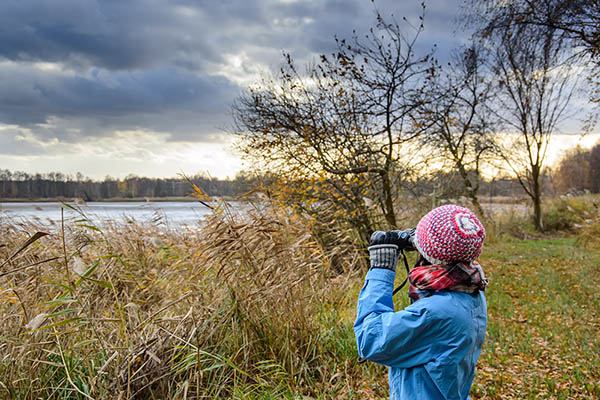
(56, 185)
(21, 185)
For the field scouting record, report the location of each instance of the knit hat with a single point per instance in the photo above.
(449, 234)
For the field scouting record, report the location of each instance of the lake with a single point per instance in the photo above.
(166, 213)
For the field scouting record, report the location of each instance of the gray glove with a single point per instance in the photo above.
(382, 251)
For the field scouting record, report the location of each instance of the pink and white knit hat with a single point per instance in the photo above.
(449, 234)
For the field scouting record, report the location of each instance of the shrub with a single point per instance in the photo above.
(568, 213)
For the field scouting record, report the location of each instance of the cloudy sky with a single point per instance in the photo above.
(111, 87)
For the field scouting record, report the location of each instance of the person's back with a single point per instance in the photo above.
(451, 368)
(432, 346)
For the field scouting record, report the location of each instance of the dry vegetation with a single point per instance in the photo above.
(234, 309)
(262, 307)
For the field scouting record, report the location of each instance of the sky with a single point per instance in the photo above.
(113, 87)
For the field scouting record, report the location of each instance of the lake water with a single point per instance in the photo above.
(166, 213)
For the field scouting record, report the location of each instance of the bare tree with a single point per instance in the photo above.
(535, 85)
(458, 123)
(575, 20)
(340, 126)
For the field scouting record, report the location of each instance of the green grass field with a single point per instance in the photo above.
(263, 310)
(543, 338)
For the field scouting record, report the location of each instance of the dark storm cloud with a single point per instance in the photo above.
(107, 34)
(31, 95)
(154, 65)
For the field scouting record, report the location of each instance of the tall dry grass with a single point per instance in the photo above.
(242, 307)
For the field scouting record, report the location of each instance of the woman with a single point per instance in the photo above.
(432, 346)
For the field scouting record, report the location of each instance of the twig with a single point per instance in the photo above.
(185, 296)
(22, 304)
(27, 266)
(62, 357)
(64, 248)
(101, 370)
(29, 241)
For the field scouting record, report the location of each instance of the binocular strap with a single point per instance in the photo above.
(407, 272)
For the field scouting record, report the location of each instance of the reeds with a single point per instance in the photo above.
(233, 309)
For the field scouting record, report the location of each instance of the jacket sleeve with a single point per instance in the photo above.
(402, 339)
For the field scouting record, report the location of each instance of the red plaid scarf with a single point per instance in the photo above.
(427, 279)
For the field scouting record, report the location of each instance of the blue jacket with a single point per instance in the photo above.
(431, 347)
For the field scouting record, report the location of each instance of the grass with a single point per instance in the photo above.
(543, 309)
(262, 308)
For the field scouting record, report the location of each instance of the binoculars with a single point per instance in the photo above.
(404, 239)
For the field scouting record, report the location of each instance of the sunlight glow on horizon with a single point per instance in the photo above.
(145, 154)
(151, 154)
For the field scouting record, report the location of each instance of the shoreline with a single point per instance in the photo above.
(189, 199)
(115, 200)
